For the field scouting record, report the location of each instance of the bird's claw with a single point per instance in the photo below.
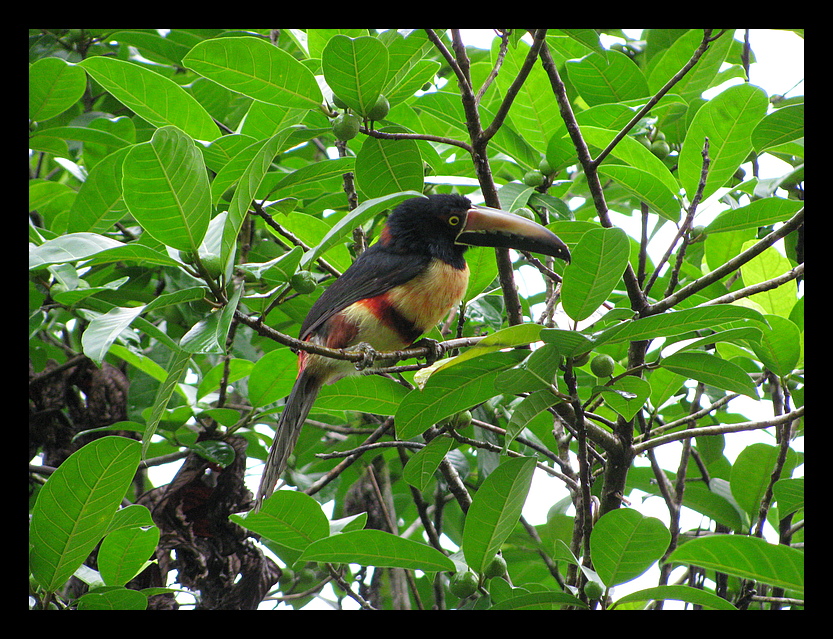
(368, 354)
(435, 350)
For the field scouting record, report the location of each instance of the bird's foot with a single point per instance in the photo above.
(435, 350)
(368, 356)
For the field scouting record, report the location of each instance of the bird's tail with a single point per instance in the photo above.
(298, 405)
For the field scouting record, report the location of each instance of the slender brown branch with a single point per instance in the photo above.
(717, 430)
(382, 135)
(760, 287)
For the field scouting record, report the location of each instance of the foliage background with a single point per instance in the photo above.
(137, 233)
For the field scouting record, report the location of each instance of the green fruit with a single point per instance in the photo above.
(187, 256)
(534, 178)
(338, 102)
(379, 110)
(287, 577)
(213, 265)
(582, 359)
(303, 282)
(593, 590)
(602, 365)
(463, 584)
(660, 148)
(527, 213)
(644, 141)
(496, 568)
(462, 419)
(545, 167)
(659, 135)
(698, 234)
(346, 126)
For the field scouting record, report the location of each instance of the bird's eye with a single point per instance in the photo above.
(454, 220)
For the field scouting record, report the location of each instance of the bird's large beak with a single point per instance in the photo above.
(490, 227)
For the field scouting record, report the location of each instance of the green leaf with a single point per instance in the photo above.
(258, 69)
(698, 79)
(624, 544)
(495, 510)
(366, 394)
(386, 166)
(539, 600)
(166, 189)
(105, 329)
(747, 558)
(519, 335)
(727, 121)
(124, 553)
(210, 333)
(54, 86)
(766, 266)
(70, 248)
(248, 185)
(377, 548)
(779, 127)
(627, 395)
(117, 599)
(688, 594)
(605, 79)
(176, 369)
(152, 97)
(646, 187)
(272, 377)
(420, 469)
(679, 322)
(356, 69)
(763, 212)
(780, 346)
(525, 411)
(598, 261)
(752, 472)
(289, 518)
(99, 203)
(450, 391)
(789, 493)
(75, 506)
(712, 370)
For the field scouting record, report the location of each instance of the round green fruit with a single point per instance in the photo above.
(582, 359)
(660, 148)
(379, 111)
(338, 102)
(529, 214)
(463, 584)
(496, 567)
(602, 365)
(303, 282)
(534, 178)
(593, 590)
(213, 265)
(346, 126)
(545, 167)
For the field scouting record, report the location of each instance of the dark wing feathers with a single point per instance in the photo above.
(376, 271)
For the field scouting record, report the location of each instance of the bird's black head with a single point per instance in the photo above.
(442, 226)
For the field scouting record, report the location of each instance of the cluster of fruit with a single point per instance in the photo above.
(346, 125)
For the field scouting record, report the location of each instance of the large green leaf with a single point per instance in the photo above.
(646, 187)
(495, 510)
(763, 212)
(356, 70)
(420, 469)
(258, 69)
(387, 166)
(365, 393)
(450, 391)
(151, 96)
(377, 548)
(783, 125)
(125, 552)
(727, 121)
(289, 518)
(624, 543)
(54, 86)
(604, 79)
(752, 473)
(712, 370)
(598, 261)
(166, 189)
(745, 557)
(780, 346)
(75, 506)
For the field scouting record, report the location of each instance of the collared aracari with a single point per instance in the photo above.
(396, 290)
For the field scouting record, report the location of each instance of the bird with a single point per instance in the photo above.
(393, 293)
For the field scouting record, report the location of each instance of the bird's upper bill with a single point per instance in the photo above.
(490, 227)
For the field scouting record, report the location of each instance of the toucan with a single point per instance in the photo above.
(397, 290)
